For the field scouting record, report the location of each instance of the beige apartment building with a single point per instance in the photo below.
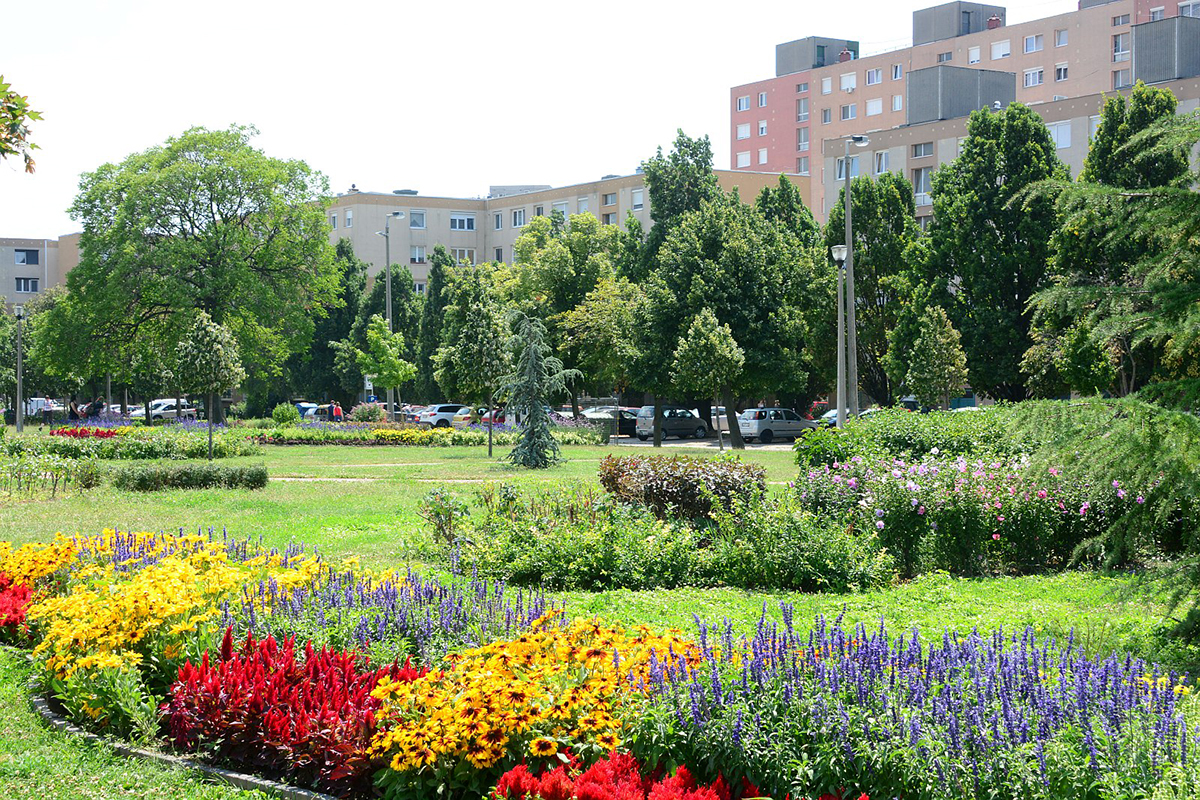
(478, 230)
(30, 266)
(965, 56)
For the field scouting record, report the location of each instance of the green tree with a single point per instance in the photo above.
(383, 358)
(15, 116)
(204, 222)
(315, 373)
(677, 182)
(913, 300)
(406, 317)
(602, 329)
(537, 378)
(884, 230)
(208, 365)
(1109, 160)
(708, 360)
(939, 367)
(987, 252)
(474, 357)
(785, 205)
(429, 337)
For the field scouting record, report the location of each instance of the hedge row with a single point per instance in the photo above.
(155, 477)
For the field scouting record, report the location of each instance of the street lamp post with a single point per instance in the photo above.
(387, 293)
(20, 312)
(839, 256)
(852, 334)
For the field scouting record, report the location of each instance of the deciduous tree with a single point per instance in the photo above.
(938, 369)
(15, 116)
(208, 365)
(430, 327)
(708, 360)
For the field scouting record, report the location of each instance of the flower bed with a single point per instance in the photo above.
(169, 441)
(413, 436)
(90, 432)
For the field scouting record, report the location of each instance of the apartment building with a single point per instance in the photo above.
(964, 56)
(30, 266)
(478, 230)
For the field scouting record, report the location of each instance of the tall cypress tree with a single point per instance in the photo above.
(429, 336)
(537, 378)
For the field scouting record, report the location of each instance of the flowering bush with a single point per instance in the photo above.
(615, 777)
(368, 412)
(91, 432)
(14, 601)
(307, 719)
(680, 486)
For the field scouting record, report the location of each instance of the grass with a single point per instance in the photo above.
(362, 501)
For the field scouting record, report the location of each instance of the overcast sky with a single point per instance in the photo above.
(443, 97)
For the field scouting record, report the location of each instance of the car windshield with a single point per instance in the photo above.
(754, 413)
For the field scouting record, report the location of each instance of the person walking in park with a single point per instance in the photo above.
(72, 411)
(337, 411)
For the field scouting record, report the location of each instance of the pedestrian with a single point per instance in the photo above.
(72, 411)
(337, 411)
(96, 408)
(48, 411)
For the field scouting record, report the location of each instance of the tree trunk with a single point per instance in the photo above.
(735, 433)
(574, 403)
(125, 402)
(657, 421)
(178, 410)
(211, 396)
(491, 418)
(616, 433)
(705, 409)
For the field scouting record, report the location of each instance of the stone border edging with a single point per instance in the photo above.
(238, 780)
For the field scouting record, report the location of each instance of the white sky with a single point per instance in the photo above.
(442, 97)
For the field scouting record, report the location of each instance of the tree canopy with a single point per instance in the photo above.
(15, 116)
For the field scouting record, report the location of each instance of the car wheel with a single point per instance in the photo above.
(643, 437)
(701, 432)
(441, 423)
(765, 437)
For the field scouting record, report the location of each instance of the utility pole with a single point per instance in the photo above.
(20, 371)
(387, 293)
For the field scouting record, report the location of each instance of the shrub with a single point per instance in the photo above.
(367, 412)
(170, 441)
(285, 414)
(902, 433)
(679, 485)
(310, 719)
(155, 477)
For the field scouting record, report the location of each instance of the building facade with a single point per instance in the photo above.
(29, 267)
(786, 123)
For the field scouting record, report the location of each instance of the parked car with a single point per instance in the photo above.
(439, 415)
(307, 411)
(497, 417)
(164, 408)
(768, 424)
(676, 421)
(719, 421)
(603, 415)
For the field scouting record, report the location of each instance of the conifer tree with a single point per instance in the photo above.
(938, 368)
(429, 337)
(537, 378)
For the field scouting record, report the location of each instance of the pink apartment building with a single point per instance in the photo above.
(964, 56)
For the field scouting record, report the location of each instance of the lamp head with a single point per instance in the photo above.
(397, 214)
(860, 140)
(19, 311)
(996, 106)
(838, 251)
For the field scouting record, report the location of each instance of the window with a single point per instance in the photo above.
(1033, 43)
(416, 220)
(762, 99)
(1093, 126)
(1060, 134)
(841, 168)
(1060, 73)
(849, 111)
(638, 198)
(964, 25)
(499, 254)
(944, 57)
(498, 219)
(897, 71)
(802, 139)
(762, 155)
(973, 56)
(826, 85)
(583, 205)
(518, 217)
(923, 222)
(333, 221)
(349, 219)
(1121, 47)
(743, 160)
(1120, 19)
(610, 199)
(1000, 50)
(802, 165)
(539, 211)
(743, 130)
(1157, 13)
(762, 127)
(849, 82)
(874, 76)
(1060, 38)
(897, 102)
(27, 285)
(610, 218)
(922, 180)
(1121, 78)
(922, 150)
(801, 87)
(419, 287)
(561, 209)
(875, 106)
(743, 103)
(463, 254)
(462, 222)
(802, 110)
(826, 116)
(1035, 77)
(881, 162)
(1189, 9)
(416, 254)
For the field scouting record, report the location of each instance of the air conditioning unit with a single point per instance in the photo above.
(850, 90)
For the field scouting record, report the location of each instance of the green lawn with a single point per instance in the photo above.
(362, 501)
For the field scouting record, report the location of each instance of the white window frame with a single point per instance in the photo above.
(349, 218)
(802, 165)
(827, 85)
(1120, 20)
(803, 140)
(839, 168)
(849, 111)
(874, 107)
(743, 103)
(412, 220)
(460, 254)
(802, 109)
(848, 81)
(637, 198)
(897, 72)
(1061, 72)
(1062, 37)
(762, 127)
(946, 57)
(743, 160)
(882, 159)
(897, 102)
(1158, 13)
(416, 254)
(608, 199)
(762, 156)
(762, 99)
(562, 208)
(874, 76)
(922, 198)
(974, 54)
(498, 221)
(743, 131)
(518, 218)
(922, 150)
(826, 116)
(1035, 77)
(499, 254)
(609, 218)
(333, 221)
(801, 87)
(1035, 43)
(1060, 134)
(1001, 50)
(30, 285)
(460, 221)
(1121, 55)
(1128, 78)
(584, 204)
(1093, 126)
(1190, 9)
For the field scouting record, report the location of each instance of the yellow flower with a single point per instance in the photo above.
(543, 747)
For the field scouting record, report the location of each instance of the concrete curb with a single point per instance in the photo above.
(238, 780)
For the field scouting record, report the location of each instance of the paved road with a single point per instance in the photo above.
(697, 444)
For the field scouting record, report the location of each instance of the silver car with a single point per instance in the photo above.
(768, 424)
